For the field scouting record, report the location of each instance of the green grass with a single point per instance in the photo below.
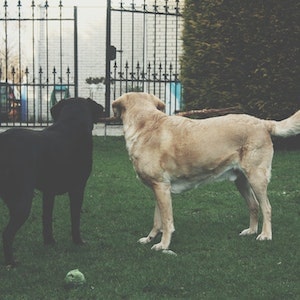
(212, 261)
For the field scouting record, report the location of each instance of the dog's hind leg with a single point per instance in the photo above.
(256, 166)
(48, 204)
(157, 227)
(19, 212)
(246, 191)
(259, 181)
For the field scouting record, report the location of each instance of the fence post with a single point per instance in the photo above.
(107, 71)
(75, 53)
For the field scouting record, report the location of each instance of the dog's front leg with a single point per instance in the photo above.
(48, 204)
(164, 202)
(157, 226)
(76, 199)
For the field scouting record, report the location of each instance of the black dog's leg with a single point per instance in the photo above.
(48, 204)
(19, 213)
(76, 199)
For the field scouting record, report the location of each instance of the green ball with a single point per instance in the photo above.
(74, 278)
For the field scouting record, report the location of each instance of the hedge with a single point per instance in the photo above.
(242, 53)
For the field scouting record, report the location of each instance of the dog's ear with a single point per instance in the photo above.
(96, 110)
(118, 105)
(158, 103)
(56, 109)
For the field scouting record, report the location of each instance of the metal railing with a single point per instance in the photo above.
(143, 50)
(38, 62)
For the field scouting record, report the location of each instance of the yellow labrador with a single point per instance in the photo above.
(172, 154)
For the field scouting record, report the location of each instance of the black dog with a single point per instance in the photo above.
(55, 160)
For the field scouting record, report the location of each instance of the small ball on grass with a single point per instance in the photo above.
(74, 278)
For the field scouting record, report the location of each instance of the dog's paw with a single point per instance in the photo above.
(248, 231)
(12, 265)
(144, 240)
(158, 247)
(79, 242)
(264, 237)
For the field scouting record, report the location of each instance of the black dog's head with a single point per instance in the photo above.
(95, 109)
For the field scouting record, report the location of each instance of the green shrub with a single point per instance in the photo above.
(242, 53)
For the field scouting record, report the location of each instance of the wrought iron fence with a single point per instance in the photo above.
(39, 56)
(143, 49)
(38, 61)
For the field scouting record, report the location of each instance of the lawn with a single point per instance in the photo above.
(212, 261)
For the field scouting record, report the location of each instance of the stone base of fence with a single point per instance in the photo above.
(99, 129)
(108, 130)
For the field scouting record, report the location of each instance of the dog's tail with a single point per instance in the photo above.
(286, 127)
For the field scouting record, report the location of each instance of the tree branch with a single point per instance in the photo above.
(207, 112)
